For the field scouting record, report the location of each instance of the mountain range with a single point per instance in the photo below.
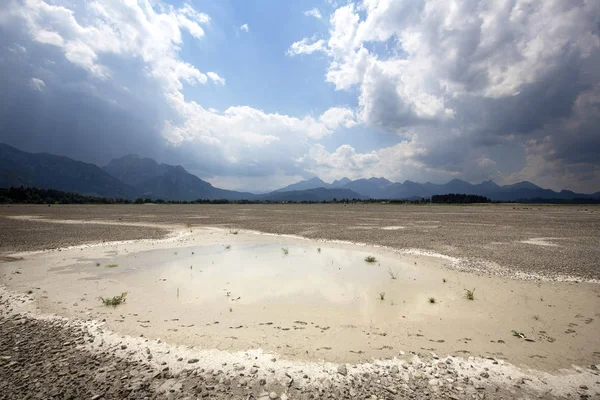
(381, 188)
(133, 176)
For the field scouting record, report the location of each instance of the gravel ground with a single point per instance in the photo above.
(44, 358)
(23, 235)
(479, 233)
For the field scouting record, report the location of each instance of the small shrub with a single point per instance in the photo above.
(370, 259)
(318, 249)
(227, 247)
(112, 265)
(470, 294)
(393, 275)
(114, 301)
(233, 232)
(381, 296)
(285, 250)
(432, 300)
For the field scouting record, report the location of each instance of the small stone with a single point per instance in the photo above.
(273, 395)
(283, 396)
(253, 370)
(342, 370)
(193, 361)
(96, 397)
(262, 382)
(484, 375)
(434, 382)
(395, 369)
(584, 387)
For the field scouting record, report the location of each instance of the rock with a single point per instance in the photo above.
(342, 370)
(193, 361)
(273, 395)
(434, 382)
(123, 347)
(262, 382)
(584, 387)
(96, 397)
(484, 375)
(253, 370)
(395, 369)
(283, 396)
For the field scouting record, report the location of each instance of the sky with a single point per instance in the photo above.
(257, 94)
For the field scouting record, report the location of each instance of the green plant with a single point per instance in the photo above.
(114, 301)
(392, 274)
(381, 296)
(470, 294)
(432, 300)
(370, 259)
(318, 249)
(285, 250)
(112, 265)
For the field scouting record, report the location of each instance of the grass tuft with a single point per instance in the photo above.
(381, 296)
(285, 250)
(393, 275)
(112, 265)
(114, 301)
(318, 249)
(470, 294)
(370, 259)
(432, 300)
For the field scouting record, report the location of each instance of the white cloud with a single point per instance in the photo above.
(132, 30)
(313, 13)
(215, 78)
(37, 84)
(338, 116)
(305, 47)
(244, 28)
(17, 48)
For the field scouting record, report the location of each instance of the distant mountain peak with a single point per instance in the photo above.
(315, 179)
(340, 182)
(312, 183)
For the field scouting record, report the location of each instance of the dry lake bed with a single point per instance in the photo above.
(300, 301)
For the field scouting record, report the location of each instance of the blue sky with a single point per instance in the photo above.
(254, 95)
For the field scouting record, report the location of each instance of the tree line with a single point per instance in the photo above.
(457, 198)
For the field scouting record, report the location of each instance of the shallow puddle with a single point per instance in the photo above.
(264, 275)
